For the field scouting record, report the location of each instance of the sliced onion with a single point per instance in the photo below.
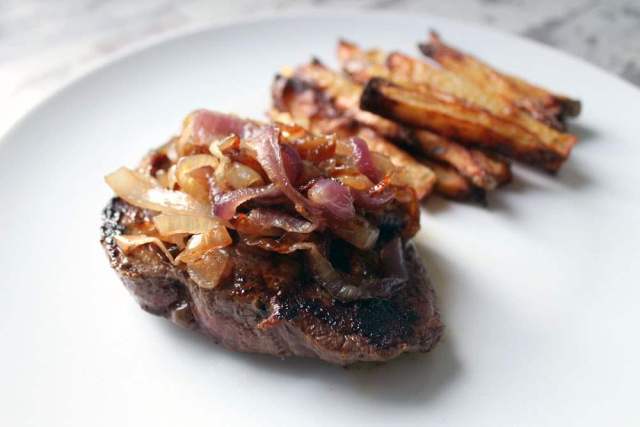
(371, 199)
(393, 262)
(209, 270)
(357, 182)
(265, 218)
(382, 164)
(199, 244)
(142, 192)
(242, 176)
(168, 224)
(202, 126)
(223, 162)
(191, 184)
(281, 246)
(333, 198)
(225, 204)
(129, 242)
(357, 231)
(315, 148)
(269, 155)
(292, 163)
(363, 159)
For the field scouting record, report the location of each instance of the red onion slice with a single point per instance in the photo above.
(333, 198)
(264, 217)
(372, 200)
(269, 155)
(292, 163)
(363, 159)
(225, 204)
(211, 124)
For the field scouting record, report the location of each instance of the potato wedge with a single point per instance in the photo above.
(451, 185)
(472, 164)
(410, 72)
(446, 115)
(543, 105)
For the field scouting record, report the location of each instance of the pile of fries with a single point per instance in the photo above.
(453, 122)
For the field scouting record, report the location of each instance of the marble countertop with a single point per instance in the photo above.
(45, 44)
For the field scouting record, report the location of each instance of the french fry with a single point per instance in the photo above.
(472, 164)
(452, 185)
(543, 105)
(410, 72)
(498, 168)
(361, 65)
(345, 95)
(446, 115)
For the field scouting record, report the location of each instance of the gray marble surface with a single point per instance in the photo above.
(45, 44)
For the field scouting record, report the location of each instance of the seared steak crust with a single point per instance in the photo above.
(269, 304)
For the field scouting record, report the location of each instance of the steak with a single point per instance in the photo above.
(270, 305)
(271, 239)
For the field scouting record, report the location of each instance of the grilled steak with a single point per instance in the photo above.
(274, 296)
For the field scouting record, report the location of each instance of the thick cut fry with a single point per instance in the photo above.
(410, 72)
(473, 164)
(540, 103)
(452, 185)
(299, 102)
(443, 114)
(402, 69)
(499, 169)
(345, 95)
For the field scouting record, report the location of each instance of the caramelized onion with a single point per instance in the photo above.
(270, 218)
(143, 192)
(269, 155)
(292, 163)
(202, 126)
(382, 164)
(363, 159)
(225, 204)
(356, 182)
(199, 244)
(129, 242)
(189, 183)
(393, 262)
(357, 231)
(209, 270)
(242, 176)
(333, 198)
(372, 200)
(168, 225)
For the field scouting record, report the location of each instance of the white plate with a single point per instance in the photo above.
(539, 292)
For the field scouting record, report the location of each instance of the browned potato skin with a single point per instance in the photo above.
(445, 115)
(451, 185)
(415, 74)
(436, 147)
(499, 169)
(543, 105)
